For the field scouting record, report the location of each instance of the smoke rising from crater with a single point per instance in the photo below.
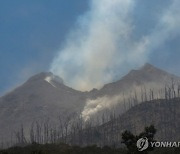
(102, 47)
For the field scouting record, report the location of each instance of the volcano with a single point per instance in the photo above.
(45, 96)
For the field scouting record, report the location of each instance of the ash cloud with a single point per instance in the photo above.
(121, 101)
(92, 107)
(102, 47)
(97, 46)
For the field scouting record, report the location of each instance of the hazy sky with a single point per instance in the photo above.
(33, 33)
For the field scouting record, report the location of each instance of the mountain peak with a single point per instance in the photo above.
(148, 67)
(151, 73)
(39, 76)
(46, 76)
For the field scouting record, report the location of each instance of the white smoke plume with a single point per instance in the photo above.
(122, 100)
(101, 46)
(92, 107)
(100, 43)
